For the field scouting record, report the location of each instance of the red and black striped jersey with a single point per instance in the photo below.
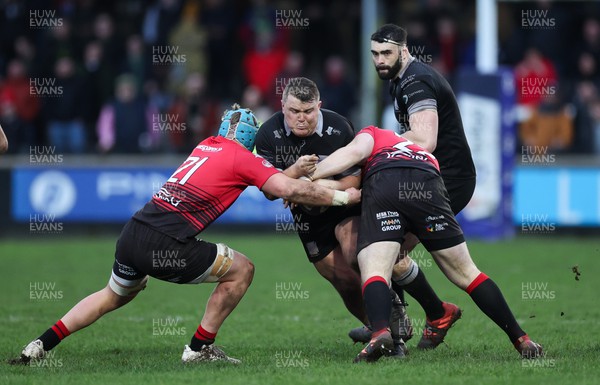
(392, 150)
(209, 181)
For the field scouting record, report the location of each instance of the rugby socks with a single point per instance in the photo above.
(201, 338)
(415, 283)
(54, 335)
(376, 294)
(488, 297)
(399, 290)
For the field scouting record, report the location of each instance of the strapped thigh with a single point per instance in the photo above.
(220, 267)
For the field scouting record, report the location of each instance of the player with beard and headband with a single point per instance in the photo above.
(428, 113)
(294, 140)
(205, 185)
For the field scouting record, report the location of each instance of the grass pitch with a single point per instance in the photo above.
(291, 328)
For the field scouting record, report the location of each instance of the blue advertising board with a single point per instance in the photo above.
(557, 195)
(111, 195)
(563, 196)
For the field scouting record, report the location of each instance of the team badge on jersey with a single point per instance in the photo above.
(330, 130)
(265, 162)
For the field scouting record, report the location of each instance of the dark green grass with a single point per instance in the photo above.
(302, 340)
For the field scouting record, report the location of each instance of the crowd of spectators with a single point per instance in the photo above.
(554, 48)
(137, 76)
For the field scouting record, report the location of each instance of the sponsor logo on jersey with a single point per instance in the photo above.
(387, 214)
(434, 218)
(391, 224)
(208, 148)
(277, 134)
(406, 80)
(165, 195)
(126, 270)
(330, 130)
(405, 99)
(412, 94)
(435, 227)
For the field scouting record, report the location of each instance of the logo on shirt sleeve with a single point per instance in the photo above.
(265, 162)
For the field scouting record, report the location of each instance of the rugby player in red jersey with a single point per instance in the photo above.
(390, 163)
(205, 185)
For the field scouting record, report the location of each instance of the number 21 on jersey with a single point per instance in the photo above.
(194, 162)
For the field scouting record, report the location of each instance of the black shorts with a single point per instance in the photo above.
(397, 201)
(460, 192)
(142, 251)
(317, 232)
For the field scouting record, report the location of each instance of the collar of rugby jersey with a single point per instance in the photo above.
(395, 81)
(403, 70)
(318, 130)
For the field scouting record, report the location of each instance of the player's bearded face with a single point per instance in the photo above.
(387, 72)
(387, 59)
(301, 117)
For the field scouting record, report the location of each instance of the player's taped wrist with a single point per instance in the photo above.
(340, 198)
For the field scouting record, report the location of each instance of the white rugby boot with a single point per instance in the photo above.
(208, 353)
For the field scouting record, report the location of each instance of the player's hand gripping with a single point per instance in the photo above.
(306, 165)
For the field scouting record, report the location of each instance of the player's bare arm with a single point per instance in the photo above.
(304, 166)
(340, 184)
(3, 142)
(302, 192)
(423, 129)
(355, 152)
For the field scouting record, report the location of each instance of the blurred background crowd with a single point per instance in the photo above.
(135, 76)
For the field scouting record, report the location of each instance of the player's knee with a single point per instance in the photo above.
(242, 270)
(248, 270)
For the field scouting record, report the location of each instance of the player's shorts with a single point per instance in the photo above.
(396, 201)
(142, 251)
(460, 192)
(317, 232)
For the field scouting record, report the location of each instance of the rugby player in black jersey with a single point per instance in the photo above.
(294, 140)
(426, 108)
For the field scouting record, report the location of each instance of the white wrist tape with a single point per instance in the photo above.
(340, 198)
